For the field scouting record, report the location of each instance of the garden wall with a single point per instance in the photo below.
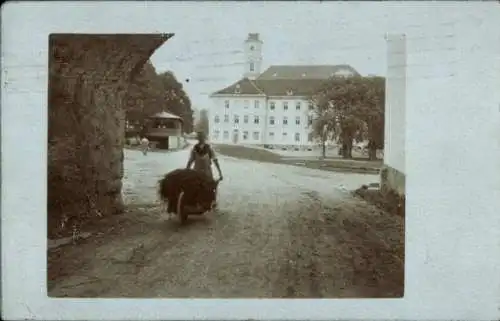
(89, 77)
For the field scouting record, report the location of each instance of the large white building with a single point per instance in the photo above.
(269, 108)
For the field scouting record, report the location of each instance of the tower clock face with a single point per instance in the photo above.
(252, 47)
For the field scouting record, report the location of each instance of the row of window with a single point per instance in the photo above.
(272, 120)
(256, 120)
(298, 105)
(285, 135)
(272, 105)
(256, 135)
(162, 123)
(246, 104)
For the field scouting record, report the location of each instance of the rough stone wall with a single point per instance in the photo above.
(89, 76)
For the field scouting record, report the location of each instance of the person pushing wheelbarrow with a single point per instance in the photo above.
(202, 155)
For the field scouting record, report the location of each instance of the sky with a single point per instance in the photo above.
(208, 51)
(207, 47)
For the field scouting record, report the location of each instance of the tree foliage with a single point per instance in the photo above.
(144, 96)
(351, 108)
(202, 124)
(176, 99)
(151, 93)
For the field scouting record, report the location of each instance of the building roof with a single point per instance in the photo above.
(289, 87)
(305, 72)
(165, 115)
(286, 80)
(243, 86)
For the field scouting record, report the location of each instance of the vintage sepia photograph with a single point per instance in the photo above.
(255, 175)
(338, 152)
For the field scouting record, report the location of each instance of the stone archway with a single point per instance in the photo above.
(89, 76)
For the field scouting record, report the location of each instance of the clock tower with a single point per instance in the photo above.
(253, 56)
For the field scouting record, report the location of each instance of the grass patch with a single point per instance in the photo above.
(254, 154)
(371, 246)
(338, 165)
(389, 202)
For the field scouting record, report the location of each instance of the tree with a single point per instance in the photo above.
(324, 121)
(144, 96)
(352, 107)
(202, 125)
(333, 116)
(372, 111)
(176, 99)
(150, 93)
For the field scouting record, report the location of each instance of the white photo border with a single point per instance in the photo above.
(453, 174)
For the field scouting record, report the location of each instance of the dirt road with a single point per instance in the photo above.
(280, 231)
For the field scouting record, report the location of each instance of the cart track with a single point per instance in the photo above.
(272, 236)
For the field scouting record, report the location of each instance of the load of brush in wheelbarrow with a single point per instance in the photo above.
(188, 192)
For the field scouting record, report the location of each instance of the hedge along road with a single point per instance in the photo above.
(280, 231)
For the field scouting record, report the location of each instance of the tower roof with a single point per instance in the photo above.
(253, 37)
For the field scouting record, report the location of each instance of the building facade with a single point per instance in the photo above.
(269, 108)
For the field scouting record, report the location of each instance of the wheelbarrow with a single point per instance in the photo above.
(188, 205)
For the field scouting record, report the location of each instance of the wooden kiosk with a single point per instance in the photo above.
(164, 130)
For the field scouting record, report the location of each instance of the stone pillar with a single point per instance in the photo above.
(393, 172)
(89, 76)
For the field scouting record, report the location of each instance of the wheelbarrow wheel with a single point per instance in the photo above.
(181, 210)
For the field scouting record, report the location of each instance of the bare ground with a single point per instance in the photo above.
(280, 232)
(347, 248)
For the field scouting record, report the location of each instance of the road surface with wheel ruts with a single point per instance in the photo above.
(280, 231)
